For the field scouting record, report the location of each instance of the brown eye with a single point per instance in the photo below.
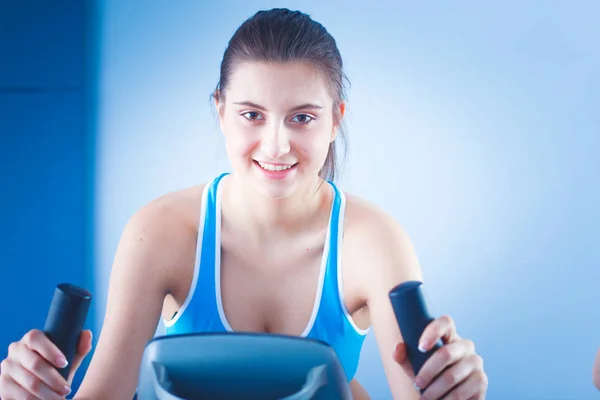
(251, 115)
(303, 118)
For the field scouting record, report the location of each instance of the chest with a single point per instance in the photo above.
(271, 286)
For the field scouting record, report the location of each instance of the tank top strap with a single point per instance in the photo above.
(200, 306)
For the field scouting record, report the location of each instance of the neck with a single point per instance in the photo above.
(263, 216)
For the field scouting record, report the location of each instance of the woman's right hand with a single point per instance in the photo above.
(29, 370)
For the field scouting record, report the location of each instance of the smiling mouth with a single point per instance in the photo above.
(275, 167)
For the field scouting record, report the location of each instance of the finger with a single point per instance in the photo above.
(472, 388)
(11, 390)
(442, 359)
(442, 328)
(32, 385)
(41, 369)
(401, 358)
(83, 348)
(37, 341)
(450, 378)
(85, 342)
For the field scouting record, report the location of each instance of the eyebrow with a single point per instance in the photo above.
(307, 106)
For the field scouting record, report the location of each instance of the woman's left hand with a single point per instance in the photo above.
(454, 371)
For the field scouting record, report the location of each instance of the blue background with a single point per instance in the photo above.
(476, 125)
(47, 158)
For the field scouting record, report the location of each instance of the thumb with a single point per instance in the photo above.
(83, 348)
(401, 358)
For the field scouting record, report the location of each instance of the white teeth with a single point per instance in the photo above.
(271, 167)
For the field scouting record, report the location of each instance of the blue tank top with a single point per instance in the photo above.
(330, 321)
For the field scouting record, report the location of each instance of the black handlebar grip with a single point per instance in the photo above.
(64, 323)
(412, 316)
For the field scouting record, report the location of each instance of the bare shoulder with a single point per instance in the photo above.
(379, 244)
(379, 255)
(175, 209)
(165, 228)
(156, 248)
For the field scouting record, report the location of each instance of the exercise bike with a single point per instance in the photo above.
(225, 366)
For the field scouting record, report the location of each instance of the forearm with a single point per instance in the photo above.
(406, 394)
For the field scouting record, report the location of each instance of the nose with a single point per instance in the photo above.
(275, 141)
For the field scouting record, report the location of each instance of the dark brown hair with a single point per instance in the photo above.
(281, 35)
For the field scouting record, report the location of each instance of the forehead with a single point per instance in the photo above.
(276, 85)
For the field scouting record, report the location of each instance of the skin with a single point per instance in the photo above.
(273, 235)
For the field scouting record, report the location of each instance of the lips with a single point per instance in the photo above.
(274, 167)
(275, 171)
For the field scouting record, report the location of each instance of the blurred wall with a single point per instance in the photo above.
(46, 158)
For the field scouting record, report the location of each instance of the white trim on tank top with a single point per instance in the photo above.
(318, 295)
(200, 236)
(204, 206)
(339, 266)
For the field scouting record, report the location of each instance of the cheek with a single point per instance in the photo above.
(315, 147)
(239, 139)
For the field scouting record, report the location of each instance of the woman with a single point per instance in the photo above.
(261, 249)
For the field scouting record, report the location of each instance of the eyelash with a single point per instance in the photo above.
(310, 118)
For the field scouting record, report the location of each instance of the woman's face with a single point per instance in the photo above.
(278, 122)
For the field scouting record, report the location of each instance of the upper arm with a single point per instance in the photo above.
(149, 248)
(391, 260)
